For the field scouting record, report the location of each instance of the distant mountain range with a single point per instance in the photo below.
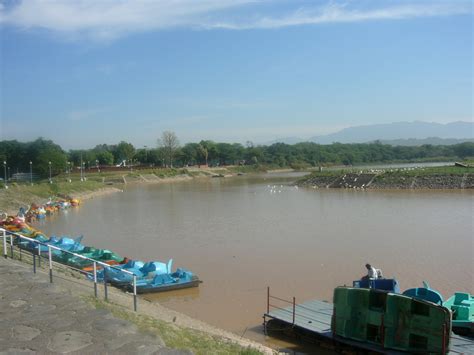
(397, 133)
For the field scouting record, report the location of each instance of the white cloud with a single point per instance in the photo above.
(110, 19)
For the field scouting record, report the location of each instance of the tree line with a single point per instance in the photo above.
(168, 152)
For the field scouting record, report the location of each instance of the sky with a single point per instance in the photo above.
(87, 72)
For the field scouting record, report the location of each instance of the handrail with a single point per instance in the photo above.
(294, 311)
(6, 232)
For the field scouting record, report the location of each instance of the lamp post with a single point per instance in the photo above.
(5, 173)
(146, 155)
(83, 171)
(69, 171)
(97, 165)
(50, 180)
(31, 172)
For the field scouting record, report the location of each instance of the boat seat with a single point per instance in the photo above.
(459, 297)
(460, 312)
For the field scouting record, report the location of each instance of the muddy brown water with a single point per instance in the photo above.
(245, 233)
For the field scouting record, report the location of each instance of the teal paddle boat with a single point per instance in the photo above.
(143, 272)
(181, 278)
(461, 305)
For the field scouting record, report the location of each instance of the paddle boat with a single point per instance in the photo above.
(64, 243)
(181, 278)
(64, 258)
(113, 273)
(98, 254)
(391, 320)
(146, 272)
(390, 285)
(461, 304)
(112, 262)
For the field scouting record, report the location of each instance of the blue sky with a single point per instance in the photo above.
(87, 72)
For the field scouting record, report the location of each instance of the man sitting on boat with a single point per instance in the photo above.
(373, 273)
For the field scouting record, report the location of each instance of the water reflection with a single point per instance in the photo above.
(183, 295)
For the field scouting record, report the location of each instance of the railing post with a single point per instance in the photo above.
(4, 232)
(135, 293)
(106, 296)
(294, 309)
(95, 279)
(34, 263)
(39, 254)
(11, 246)
(50, 265)
(268, 299)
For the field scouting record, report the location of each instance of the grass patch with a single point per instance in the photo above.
(430, 171)
(250, 168)
(174, 336)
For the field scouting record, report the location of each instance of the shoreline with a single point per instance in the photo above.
(121, 300)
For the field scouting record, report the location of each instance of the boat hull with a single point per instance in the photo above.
(391, 320)
(165, 287)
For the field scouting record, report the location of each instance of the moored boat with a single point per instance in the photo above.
(390, 285)
(179, 279)
(98, 255)
(143, 273)
(461, 305)
(391, 320)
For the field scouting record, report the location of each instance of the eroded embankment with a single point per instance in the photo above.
(389, 180)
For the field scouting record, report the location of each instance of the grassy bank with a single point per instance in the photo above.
(24, 194)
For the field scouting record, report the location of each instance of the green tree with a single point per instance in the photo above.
(105, 157)
(123, 151)
(190, 153)
(40, 152)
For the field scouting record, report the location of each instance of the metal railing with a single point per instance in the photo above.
(8, 238)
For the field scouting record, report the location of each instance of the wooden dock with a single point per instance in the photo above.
(314, 317)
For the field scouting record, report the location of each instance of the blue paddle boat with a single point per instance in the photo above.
(113, 273)
(64, 243)
(390, 285)
(60, 242)
(145, 272)
(181, 278)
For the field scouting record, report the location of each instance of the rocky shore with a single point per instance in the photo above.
(389, 180)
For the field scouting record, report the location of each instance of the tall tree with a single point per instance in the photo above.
(170, 144)
(124, 151)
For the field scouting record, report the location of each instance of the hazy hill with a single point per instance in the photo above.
(431, 140)
(399, 130)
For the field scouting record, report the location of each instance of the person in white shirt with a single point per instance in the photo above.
(372, 273)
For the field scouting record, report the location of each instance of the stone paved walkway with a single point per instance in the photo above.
(39, 317)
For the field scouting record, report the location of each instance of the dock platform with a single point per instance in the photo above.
(314, 317)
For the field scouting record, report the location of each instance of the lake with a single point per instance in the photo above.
(245, 233)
